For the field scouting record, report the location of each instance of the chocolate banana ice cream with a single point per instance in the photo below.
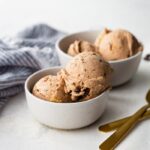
(117, 44)
(81, 46)
(51, 88)
(86, 76)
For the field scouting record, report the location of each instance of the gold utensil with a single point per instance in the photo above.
(115, 124)
(116, 137)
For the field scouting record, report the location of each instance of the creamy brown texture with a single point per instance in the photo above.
(51, 88)
(81, 46)
(117, 44)
(86, 76)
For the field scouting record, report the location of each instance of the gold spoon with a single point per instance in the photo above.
(116, 137)
(115, 124)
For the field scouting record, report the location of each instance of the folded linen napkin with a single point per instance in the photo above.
(31, 50)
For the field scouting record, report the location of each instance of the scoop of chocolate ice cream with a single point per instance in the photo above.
(117, 44)
(81, 46)
(51, 88)
(86, 76)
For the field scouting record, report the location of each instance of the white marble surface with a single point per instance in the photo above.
(18, 130)
(73, 15)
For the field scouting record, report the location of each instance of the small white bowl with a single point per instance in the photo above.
(63, 115)
(124, 69)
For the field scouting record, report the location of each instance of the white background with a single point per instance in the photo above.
(18, 130)
(73, 15)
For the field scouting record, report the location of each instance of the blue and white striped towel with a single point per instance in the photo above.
(32, 49)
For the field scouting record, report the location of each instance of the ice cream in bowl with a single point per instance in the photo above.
(118, 47)
(72, 96)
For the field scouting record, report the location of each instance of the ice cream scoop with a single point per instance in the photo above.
(51, 88)
(117, 44)
(86, 76)
(79, 46)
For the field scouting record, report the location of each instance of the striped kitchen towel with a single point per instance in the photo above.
(31, 50)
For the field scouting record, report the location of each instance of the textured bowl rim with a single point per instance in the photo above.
(57, 45)
(54, 103)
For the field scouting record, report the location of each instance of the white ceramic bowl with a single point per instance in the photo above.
(123, 69)
(63, 115)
